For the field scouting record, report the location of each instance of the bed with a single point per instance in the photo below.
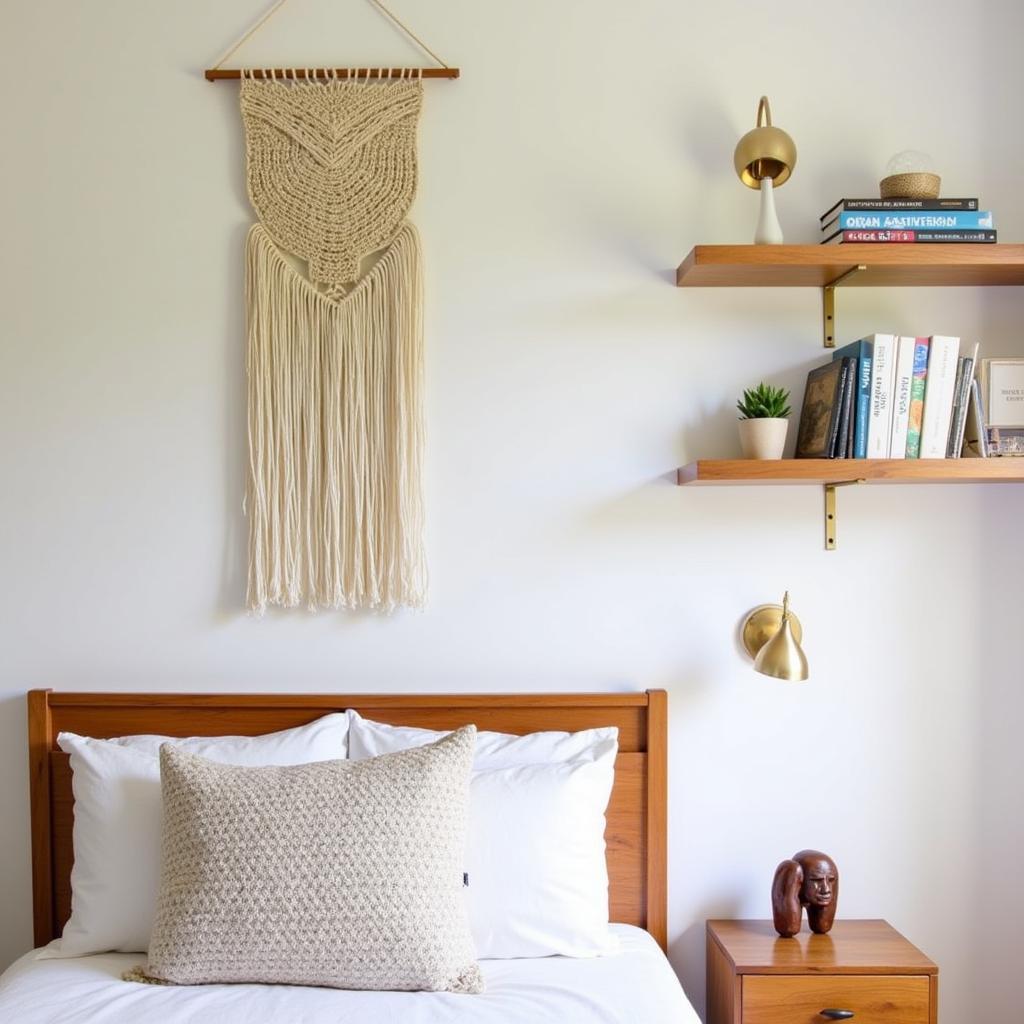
(635, 984)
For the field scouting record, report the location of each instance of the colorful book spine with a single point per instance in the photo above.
(938, 395)
(858, 235)
(919, 220)
(861, 351)
(883, 363)
(917, 389)
(898, 204)
(902, 386)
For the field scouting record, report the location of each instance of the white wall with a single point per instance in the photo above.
(585, 149)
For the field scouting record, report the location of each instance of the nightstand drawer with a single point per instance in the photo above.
(799, 999)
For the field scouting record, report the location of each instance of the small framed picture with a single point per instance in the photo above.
(1004, 441)
(1002, 386)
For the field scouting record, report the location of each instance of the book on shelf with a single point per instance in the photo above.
(852, 435)
(847, 410)
(861, 351)
(975, 435)
(818, 433)
(912, 220)
(938, 395)
(903, 381)
(883, 366)
(961, 397)
(955, 413)
(898, 204)
(898, 236)
(890, 397)
(917, 387)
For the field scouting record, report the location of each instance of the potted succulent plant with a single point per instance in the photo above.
(763, 421)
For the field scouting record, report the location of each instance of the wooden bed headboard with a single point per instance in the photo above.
(635, 836)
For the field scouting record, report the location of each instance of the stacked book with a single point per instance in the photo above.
(906, 220)
(890, 397)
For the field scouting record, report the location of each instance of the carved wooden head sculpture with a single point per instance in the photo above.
(808, 879)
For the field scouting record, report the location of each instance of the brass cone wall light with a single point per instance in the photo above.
(764, 159)
(771, 635)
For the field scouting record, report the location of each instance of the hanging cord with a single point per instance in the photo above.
(251, 32)
(409, 32)
(280, 3)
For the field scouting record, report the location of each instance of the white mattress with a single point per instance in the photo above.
(637, 984)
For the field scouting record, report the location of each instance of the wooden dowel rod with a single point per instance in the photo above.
(213, 74)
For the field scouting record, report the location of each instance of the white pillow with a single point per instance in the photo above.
(367, 738)
(118, 812)
(538, 878)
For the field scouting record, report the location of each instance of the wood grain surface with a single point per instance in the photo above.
(889, 999)
(724, 472)
(788, 266)
(852, 947)
(865, 967)
(636, 833)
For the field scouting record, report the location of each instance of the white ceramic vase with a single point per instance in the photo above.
(769, 231)
(763, 438)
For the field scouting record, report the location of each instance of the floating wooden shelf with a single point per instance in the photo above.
(842, 471)
(828, 267)
(833, 473)
(818, 266)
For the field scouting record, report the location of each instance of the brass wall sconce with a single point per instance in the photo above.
(764, 159)
(771, 635)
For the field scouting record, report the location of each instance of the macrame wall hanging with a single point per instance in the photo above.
(333, 293)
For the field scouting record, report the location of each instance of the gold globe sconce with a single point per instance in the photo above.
(765, 158)
(772, 634)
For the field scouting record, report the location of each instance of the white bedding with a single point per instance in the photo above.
(634, 985)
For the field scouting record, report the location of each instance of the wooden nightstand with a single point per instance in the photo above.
(863, 971)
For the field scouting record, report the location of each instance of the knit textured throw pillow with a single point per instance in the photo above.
(340, 873)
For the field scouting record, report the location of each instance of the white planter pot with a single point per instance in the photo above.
(763, 438)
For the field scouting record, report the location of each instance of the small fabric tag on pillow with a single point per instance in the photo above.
(340, 873)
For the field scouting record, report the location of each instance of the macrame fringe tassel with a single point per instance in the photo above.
(335, 433)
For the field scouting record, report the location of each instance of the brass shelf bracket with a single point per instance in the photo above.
(828, 305)
(830, 510)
